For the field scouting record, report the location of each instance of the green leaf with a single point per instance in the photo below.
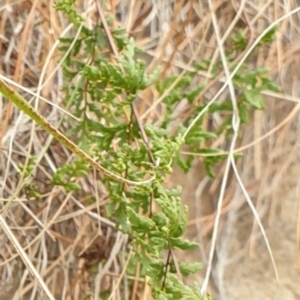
(185, 164)
(91, 72)
(183, 244)
(156, 271)
(119, 34)
(187, 268)
(139, 221)
(154, 76)
(192, 95)
(269, 36)
(239, 40)
(254, 99)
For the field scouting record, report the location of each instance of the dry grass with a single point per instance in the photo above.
(61, 234)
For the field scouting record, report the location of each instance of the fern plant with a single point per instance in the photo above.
(102, 95)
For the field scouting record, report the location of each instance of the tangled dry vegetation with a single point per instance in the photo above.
(60, 233)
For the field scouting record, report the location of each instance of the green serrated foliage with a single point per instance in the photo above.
(66, 175)
(28, 169)
(120, 37)
(254, 98)
(192, 95)
(239, 40)
(186, 268)
(143, 223)
(269, 36)
(100, 93)
(185, 163)
(31, 192)
(175, 289)
(67, 7)
(183, 244)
